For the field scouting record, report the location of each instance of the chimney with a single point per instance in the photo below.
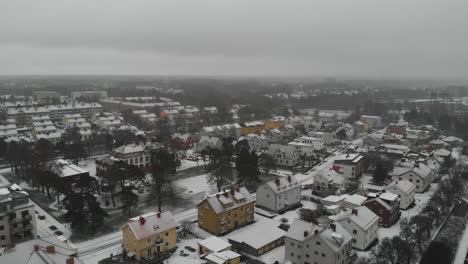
(142, 220)
(70, 261)
(50, 249)
(232, 191)
(217, 195)
(354, 211)
(289, 178)
(226, 194)
(306, 233)
(277, 182)
(36, 248)
(333, 227)
(158, 214)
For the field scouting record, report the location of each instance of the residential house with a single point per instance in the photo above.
(349, 165)
(396, 128)
(361, 223)
(258, 239)
(393, 149)
(329, 180)
(148, 235)
(134, 154)
(353, 201)
(184, 141)
(309, 243)
(325, 137)
(279, 195)
(273, 135)
(304, 149)
(372, 121)
(386, 206)
(417, 173)
(452, 141)
(254, 127)
(226, 211)
(17, 216)
(405, 190)
(256, 142)
(317, 143)
(284, 155)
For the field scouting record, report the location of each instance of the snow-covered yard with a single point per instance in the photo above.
(192, 258)
(187, 164)
(196, 184)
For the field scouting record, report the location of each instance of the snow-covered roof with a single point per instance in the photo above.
(388, 196)
(283, 184)
(356, 199)
(127, 149)
(259, 235)
(404, 185)
(334, 198)
(451, 139)
(24, 252)
(354, 158)
(421, 170)
(225, 201)
(442, 153)
(153, 224)
(362, 216)
(222, 257)
(214, 244)
(66, 169)
(302, 231)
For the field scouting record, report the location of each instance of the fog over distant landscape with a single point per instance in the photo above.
(360, 38)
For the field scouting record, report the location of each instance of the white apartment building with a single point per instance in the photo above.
(280, 194)
(17, 215)
(317, 143)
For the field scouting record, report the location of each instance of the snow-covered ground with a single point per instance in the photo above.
(89, 165)
(196, 184)
(187, 164)
(192, 258)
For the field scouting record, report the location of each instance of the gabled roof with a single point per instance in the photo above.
(283, 184)
(363, 217)
(379, 201)
(228, 200)
(302, 231)
(404, 185)
(258, 236)
(154, 223)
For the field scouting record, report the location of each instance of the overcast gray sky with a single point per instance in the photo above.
(361, 38)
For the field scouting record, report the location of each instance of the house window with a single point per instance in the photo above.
(166, 234)
(2, 237)
(141, 159)
(2, 228)
(318, 243)
(148, 251)
(354, 231)
(167, 243)
(354, 241)
(148, 241)
(323, 255)
(315, 252)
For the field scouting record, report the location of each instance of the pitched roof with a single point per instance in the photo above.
(258, 236)
(301, 231)
(228, 200)
(222, 257)
(363, 217)
(283, 184)
(404, 185)
(152, 225)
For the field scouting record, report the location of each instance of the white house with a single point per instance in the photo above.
(302, 148)
(327, 138)
(361, 223)
(417, 173)
(349, 165)
(284, 155)
(317, 143)
(309, 243)
(329, 179)
(405, 190)
(280, 194)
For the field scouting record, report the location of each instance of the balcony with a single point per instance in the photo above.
(223, 221)
(22, 228)
(158, 241)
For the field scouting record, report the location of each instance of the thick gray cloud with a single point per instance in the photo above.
(368, 38)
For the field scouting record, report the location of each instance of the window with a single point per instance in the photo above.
(148, 241)
(307, 255)
(166, 234)
(24, 213)
(200, 212)
(323, 255)
(354, 241)
(318, 243)
(148, 251)
(2, 228)
(141, 159)
(2, 237)
(15, 225)
(292, 244)
(315, 252)
(131, 161)
(292, 254)
(167, 243)
(354, 231)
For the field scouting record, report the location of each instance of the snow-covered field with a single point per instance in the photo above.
(195, 184)
(187, 164)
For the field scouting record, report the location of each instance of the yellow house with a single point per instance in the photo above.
(224, 257)
(147, 235)
(254, 127)
(275, 122)
(225, 211)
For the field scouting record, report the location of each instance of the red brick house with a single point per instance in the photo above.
(184, 141)
(386, 206)
(396, 129)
